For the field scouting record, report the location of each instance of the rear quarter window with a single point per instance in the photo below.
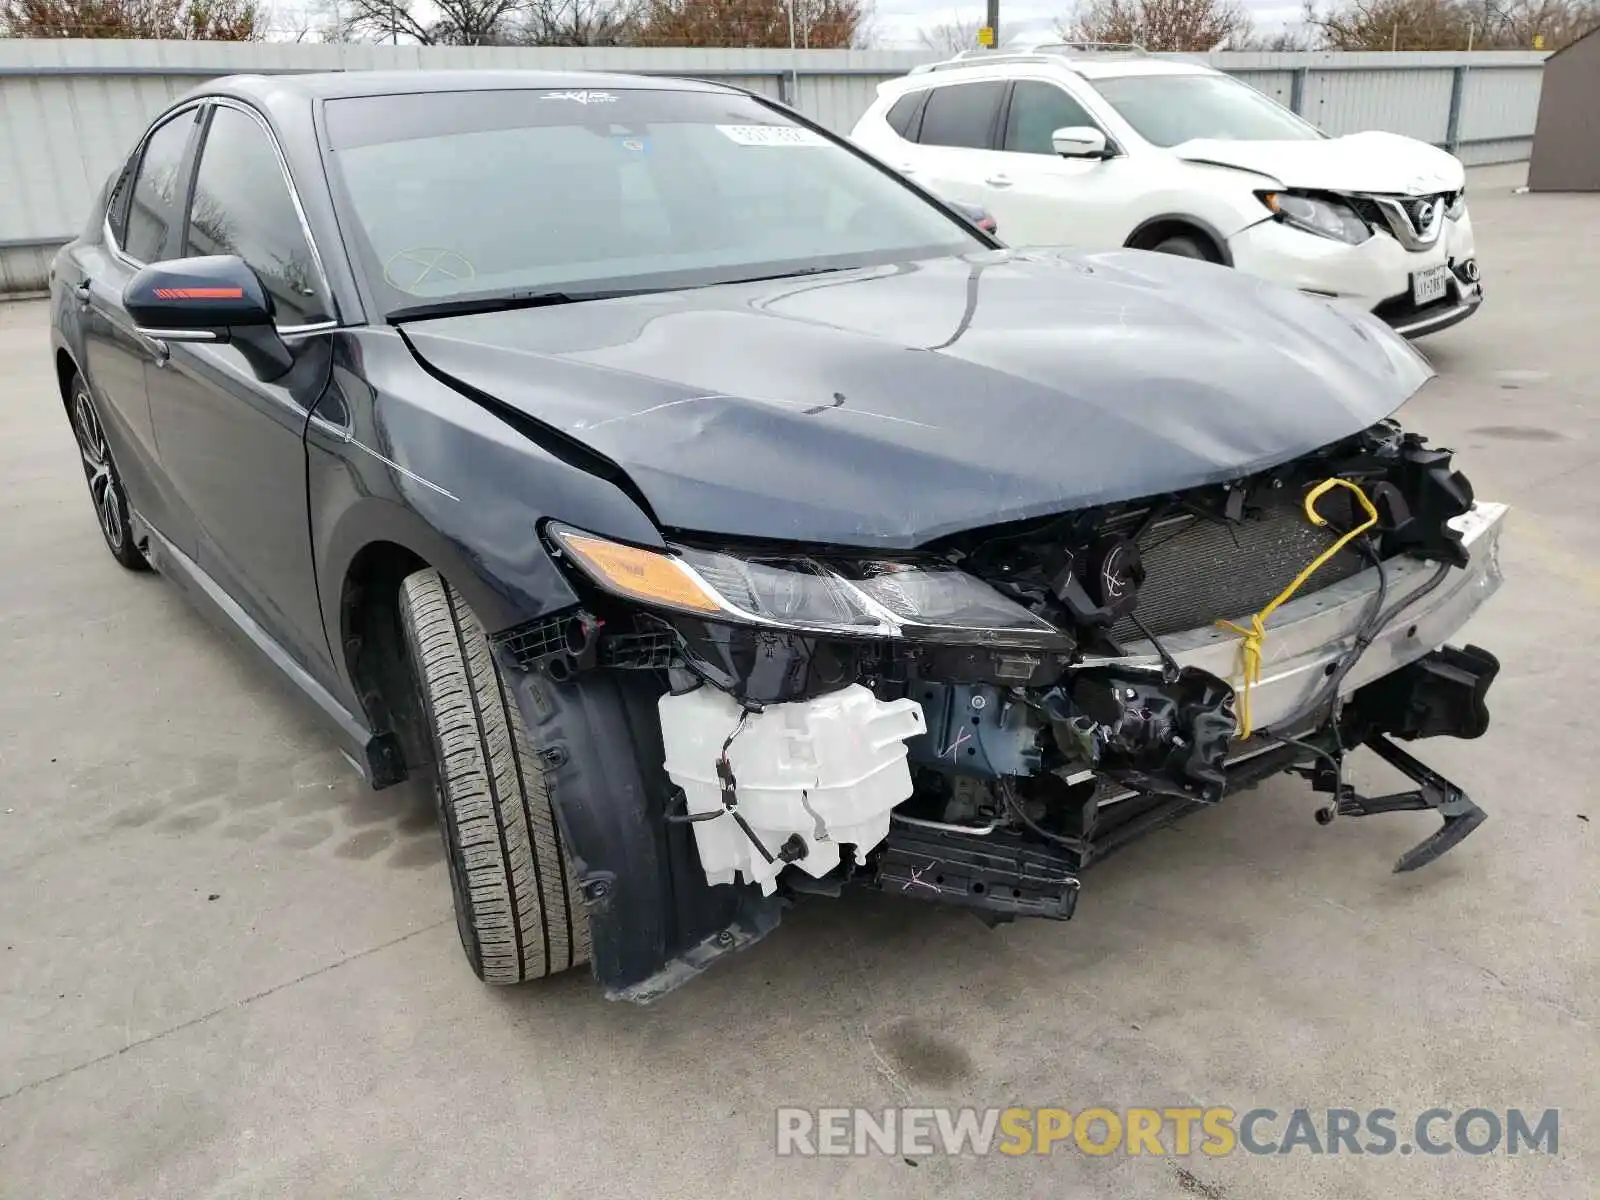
(902, 116)
(962, 114)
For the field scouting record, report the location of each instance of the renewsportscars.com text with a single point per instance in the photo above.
(1215, 1131)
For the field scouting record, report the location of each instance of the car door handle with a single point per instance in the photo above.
(998, 181)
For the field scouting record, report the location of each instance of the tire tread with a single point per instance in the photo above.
(520, 921)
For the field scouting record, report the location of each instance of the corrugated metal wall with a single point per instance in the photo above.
(69, 110)
(1482, 106)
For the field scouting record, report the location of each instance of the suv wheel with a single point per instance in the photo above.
(105, 485)
(518, 910)
(1183, 247)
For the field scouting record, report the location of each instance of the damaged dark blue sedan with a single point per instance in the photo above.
(717, 518)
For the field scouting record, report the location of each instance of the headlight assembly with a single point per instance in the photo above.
(1458, 206)
(1320, 215)
(844, 597)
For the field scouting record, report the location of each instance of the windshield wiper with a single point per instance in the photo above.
(797, 273)
(506, 301)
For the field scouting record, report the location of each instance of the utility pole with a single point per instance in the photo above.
(992, 20)
(794, 67)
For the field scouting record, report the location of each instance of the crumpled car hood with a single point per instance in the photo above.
(887, 407)
(1385, 163)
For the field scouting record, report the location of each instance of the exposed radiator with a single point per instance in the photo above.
(1199, 571)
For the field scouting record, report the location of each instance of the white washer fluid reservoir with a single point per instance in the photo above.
(827, 769)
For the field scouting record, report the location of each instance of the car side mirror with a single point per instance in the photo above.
(1079, 141)
(217, 299)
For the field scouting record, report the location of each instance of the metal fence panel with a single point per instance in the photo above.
(1500, 104)
(1415, 103)
(69, 110)
(837, 101)
(1277, 84)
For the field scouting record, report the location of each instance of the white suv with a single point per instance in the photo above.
(1103, 148)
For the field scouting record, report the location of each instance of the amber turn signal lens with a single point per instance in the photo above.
(641, 574)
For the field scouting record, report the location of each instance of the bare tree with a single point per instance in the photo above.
(949, 37)
(182, 20)
(579, 22)
(1527, 24)
(1452, 24)
(297, 23)
(818, 24)
(1292, 38)
(1391, 24)
(431, 22)
(1190, 25)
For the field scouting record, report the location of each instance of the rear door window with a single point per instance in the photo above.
(962, 114)
(155, 201)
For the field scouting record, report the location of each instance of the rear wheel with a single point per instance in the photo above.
(518, 909)
(105, 485)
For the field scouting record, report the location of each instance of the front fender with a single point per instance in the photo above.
(1220, 200)
(396, 456)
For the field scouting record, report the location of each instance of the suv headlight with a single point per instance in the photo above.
(843, 597)
(1458, 206)
(1321, 215)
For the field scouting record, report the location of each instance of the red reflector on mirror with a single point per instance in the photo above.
(203, 293)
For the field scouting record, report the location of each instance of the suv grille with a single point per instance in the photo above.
(1415, 221)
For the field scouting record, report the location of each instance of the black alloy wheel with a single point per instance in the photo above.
(105, 487)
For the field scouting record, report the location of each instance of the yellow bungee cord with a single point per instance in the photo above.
(1255, 636)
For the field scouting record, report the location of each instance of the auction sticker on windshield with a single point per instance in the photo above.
(772, 135)
(581, 96)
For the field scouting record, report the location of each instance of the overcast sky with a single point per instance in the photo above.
(897, 21)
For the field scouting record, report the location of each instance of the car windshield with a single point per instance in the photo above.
(1167, 110)
(460, 195)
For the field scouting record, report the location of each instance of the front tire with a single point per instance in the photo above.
(518, 909)
(1184, 247)
(100, 473)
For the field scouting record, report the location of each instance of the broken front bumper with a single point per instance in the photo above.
(1307, 640)
(1308, 637)
(759, 790)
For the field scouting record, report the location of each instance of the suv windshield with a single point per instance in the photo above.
(1167, 110)
(458, 195)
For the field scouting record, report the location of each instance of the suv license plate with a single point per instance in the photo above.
(1428, 286)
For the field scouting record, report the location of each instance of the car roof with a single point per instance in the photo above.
(335, 85)
(1004, 65)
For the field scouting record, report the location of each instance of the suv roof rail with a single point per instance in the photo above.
(1053, 47)
(1043, 52)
